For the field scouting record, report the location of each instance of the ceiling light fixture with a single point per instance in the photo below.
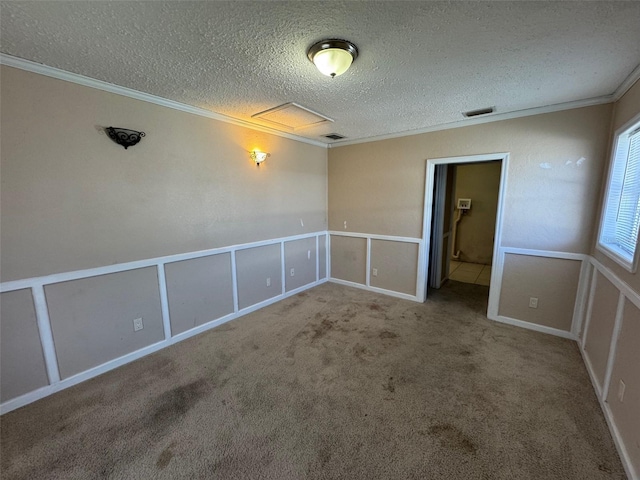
(333, 57)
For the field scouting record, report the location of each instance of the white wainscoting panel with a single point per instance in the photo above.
(37, 285)
(602, 391)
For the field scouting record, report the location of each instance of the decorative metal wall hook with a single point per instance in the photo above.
(124, 136)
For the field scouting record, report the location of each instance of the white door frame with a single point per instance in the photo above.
(440, 186)
(496, 270)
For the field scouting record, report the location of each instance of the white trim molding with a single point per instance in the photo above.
(534, 326)
(587, 318)
(496, 271)
(608, 416)
(590, 270)
(59, 74)
(149, 262)
(164, 301)
(614, 346)
(628, 292)
(602, 390)
(391, 293)
(493, 314)
(629, 82)
(545, 253)
(369, 237)
(494, 117)
(373, 236)
(37, 285)
(582, 298)
(609, 226)
(46, 333)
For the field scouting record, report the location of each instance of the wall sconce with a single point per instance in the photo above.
(258, 156)
(124, 136)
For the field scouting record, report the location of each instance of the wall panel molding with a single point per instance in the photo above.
(602, 391)
(46, 333)
(589, 273)
(37, 284)
(626, 290)
(496, 283)
(534, 326)
(369, 237)
(391, 293)
(496, 117)
(78, 79)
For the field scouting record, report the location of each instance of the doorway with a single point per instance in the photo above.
(439, 217)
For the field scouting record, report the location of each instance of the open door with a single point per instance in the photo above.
(436, 240)
(441, 225)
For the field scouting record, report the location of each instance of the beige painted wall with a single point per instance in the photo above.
(396, 264)
(254, 267)
(92, 318)
(625, 109)
(22, 367)
(553, 281)
(627, 358)
(378, 187)
(598, 335)
(480, 182)
(299, 255)
(199, 290)
(73, 199)
(349, 259)
(627, 369)
(322, 256)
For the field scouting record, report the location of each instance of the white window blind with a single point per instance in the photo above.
(621, 216)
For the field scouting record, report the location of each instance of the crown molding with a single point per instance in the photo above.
(59, 74)
(22, 64)
(628, 82)
(496, 117)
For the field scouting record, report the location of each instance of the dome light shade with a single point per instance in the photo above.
(333, 57)
(258, 156)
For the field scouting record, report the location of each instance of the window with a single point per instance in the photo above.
(618, 237)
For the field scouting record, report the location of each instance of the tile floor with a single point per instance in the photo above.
(470, 272)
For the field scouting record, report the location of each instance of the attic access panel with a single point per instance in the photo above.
(292, 117)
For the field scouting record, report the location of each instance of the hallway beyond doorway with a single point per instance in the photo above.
(470, 273)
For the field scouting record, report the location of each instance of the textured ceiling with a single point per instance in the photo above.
(420, 65)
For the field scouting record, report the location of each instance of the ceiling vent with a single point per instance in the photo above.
(292, 116)
(334, 136)
(481, 111)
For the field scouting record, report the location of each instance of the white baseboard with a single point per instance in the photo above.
(580, 322)
(601, 388)
(533, 326)
(43, 392)
(383, 291)
(608, 416)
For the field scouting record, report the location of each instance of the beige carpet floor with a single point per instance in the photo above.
(332, 383)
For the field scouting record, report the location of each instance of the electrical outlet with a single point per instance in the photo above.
(301, 223)
(268, 281)
(533, 302)
(137, 324)
(375, 272)
(308, 254)
(292, 272)
(621, 388)
(345, 224)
